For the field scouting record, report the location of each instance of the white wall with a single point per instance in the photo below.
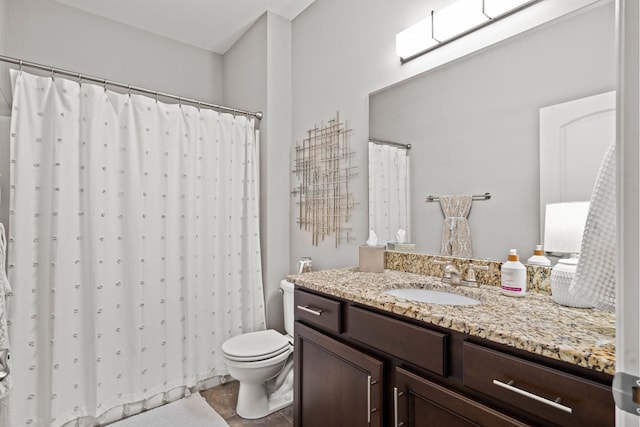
(257, 76)
(342, 51)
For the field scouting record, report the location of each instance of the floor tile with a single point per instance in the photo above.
(223, 400)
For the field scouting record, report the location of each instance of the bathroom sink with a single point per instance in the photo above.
(432, 297)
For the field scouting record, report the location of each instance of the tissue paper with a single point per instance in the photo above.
(373, 239)
(400, 235)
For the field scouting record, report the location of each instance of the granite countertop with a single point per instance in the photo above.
(534, 323)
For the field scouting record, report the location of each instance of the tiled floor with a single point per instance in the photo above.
(223, 399)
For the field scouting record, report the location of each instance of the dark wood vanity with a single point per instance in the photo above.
(357, 365)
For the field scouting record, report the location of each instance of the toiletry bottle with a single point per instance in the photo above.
(538, 257)
(513, 276)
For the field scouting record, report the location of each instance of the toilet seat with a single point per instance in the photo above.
(255, 346)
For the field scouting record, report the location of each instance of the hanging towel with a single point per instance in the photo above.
(5, 382)
(456, 235)
(595, 280)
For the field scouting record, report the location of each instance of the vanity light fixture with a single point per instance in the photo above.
(453, 22)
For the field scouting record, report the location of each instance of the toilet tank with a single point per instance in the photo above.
(287, 304)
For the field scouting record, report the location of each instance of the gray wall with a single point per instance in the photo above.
(474, 128)
(54, 34)
(342, 52)
(257, 76)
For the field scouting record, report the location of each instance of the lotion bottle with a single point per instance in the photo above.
(538, 257)
(513, 276)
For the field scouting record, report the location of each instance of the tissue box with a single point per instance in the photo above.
(372, 258)
(401, 247)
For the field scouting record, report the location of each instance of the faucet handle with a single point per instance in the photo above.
(471, 271)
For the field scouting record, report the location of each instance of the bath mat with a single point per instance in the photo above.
(191, 411)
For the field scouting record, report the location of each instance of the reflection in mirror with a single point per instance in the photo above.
(474, 126)
(389, 190)
(581, 129)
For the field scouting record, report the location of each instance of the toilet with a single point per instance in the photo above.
(262, 362)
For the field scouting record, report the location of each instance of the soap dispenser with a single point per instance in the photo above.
(513, 276)
(538, 257)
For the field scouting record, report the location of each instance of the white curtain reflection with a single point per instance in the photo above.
(389, 191)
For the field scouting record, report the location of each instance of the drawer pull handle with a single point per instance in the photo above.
(509, 386)
(369, 399)
(315, 312)
(396, 394)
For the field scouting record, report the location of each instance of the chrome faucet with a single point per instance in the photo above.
(454, 274)
(450, 273)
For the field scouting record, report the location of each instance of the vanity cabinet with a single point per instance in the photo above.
(334, 384)
(359, 366)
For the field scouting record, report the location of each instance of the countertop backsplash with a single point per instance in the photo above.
(538, 277)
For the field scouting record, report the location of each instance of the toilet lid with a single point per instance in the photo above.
(255, 345)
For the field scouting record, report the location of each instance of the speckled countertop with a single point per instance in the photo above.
(534, 323)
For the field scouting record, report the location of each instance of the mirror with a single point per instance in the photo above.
(474, 126)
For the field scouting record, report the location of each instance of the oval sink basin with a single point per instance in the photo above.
(432, 297)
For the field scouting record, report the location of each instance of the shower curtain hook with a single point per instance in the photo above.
(20, 66)
(156, 97)
(104, 85)
(180, 102)
(53, 73)
(199, 104)
(129, 90)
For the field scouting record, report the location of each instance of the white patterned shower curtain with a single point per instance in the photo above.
(133, 248)
(389, 191)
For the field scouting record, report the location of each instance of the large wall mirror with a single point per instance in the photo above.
(474, 126)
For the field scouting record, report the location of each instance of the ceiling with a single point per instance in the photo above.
(213, 25)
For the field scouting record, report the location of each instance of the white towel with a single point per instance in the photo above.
(595, 280)
(5, 384)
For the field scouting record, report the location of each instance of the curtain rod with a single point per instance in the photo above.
(21, 63)
(384, 141)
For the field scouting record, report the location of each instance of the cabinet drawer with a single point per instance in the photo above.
(420, 402)
(317, 310)
(546, 393)
(422, 347)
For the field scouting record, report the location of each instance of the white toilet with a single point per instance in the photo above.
(263, 364)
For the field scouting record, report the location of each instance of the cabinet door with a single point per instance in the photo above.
(335, 385)
(420, 402)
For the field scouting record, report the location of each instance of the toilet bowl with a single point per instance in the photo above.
(262, 362)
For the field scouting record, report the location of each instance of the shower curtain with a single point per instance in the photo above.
(388, 191)
(133, 248)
